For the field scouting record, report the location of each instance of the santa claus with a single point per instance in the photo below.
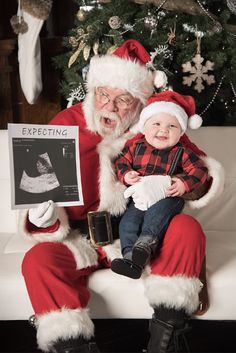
(57, 267)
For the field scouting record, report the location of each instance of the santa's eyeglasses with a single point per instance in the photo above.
(121, 102)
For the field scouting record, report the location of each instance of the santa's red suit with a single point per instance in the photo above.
(57, 268)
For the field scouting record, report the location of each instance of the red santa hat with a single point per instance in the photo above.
(171, 102)
(126, 68)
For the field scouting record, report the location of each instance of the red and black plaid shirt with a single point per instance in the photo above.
(147, 160)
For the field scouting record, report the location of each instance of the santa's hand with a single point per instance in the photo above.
(45, 215)
(148, 190)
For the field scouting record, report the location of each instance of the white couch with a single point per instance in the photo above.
(115, 296)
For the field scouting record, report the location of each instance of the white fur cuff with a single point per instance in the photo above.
(63, 324)
(40, 237)
(176, 292)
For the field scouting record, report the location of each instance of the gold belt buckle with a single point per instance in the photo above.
(100, 229)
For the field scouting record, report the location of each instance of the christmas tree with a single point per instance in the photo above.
(193, 41)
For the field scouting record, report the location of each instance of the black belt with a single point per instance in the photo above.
(100, 227)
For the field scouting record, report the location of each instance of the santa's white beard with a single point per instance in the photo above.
(120, 127)
(94, 119)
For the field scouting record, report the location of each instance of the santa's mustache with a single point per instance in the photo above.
(108, 115)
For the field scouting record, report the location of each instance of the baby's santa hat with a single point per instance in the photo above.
(126, 68)
(171, 102)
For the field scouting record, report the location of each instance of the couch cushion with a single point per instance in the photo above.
(114, 296)
(220, 213)
(16, 244)
(14, 300)
(218, 142)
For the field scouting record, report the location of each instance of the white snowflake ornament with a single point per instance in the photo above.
(198, 73)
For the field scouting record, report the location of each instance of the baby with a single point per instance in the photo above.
(158, 152)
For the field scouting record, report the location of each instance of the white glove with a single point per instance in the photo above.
(148, 190)
(45, 215)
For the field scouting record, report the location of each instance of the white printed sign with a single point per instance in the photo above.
(45, 165)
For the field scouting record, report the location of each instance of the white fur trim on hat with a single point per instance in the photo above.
(163, 107)
(113, 71)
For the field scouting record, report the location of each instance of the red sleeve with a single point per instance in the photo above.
(195, 172)
(124, 163)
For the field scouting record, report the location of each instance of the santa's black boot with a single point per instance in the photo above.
(74, 345)
(167, 331)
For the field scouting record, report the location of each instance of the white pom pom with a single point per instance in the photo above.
(160, 79)
(194, 121)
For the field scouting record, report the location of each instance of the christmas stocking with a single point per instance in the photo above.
(29, 56)
(29, 52)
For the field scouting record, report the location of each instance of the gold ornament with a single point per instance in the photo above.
(112, 49)
(86, 52)
(74, 56)
(81, 15)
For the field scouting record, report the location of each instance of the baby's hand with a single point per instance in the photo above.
(131, 177)
(177, 188)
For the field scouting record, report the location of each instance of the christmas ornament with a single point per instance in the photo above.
(171, 38)
(161, 50)
(77, 94)
(73, 41)
(150, 22)
(83, 47)
(81, 15)
(128, 27)
(114, 22)
(232, 6)
(96, 47)
(18, 24)
(198, 72)
(89, 29)
(86, 52)
(85, 72)
(80, 32)
(111, 49)
(75, 55)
